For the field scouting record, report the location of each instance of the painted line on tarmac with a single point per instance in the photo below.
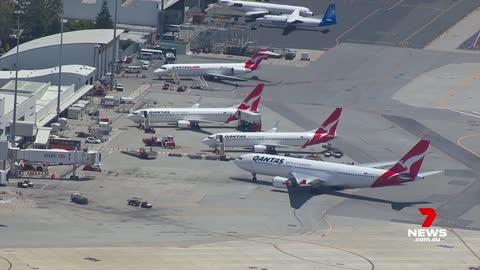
(459, 142)
(465, 113)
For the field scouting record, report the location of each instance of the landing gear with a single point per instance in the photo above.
(271, 151)
(195, 126)
(254, 177)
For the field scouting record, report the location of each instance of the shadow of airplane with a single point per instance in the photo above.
(258, 182)
(299, 195)
(395, 205)
(198, 130)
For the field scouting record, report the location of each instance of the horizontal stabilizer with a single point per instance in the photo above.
(425, 174)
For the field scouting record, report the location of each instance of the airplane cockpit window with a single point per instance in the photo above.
(211, 137)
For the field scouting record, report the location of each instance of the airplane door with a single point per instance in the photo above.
(220, 138)
(145, 114)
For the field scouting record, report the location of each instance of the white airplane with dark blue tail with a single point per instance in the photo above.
(297, 21)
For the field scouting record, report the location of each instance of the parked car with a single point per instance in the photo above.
(92, 168)
(79, 198)
(134, 201)
(22, 184)
(118, 87)
(93, 140)
(146, 204)
(166, 86)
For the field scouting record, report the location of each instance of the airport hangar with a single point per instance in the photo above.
(85, 47)
(86, 58)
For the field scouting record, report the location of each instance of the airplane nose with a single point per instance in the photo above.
(132, 117)
(207, 141)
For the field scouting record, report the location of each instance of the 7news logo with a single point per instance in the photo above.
(427, 234)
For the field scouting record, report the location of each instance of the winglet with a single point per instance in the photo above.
(197, 104)
(274, 127)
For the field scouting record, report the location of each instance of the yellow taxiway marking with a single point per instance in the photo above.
(459, 142)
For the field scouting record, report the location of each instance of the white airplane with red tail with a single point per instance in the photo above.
(191, 117)
(218, 71)
(262, 142)
(292, 172)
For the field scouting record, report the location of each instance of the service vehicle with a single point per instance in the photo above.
(118, 87)
(78, 198)
(93, 140)
(165, 142)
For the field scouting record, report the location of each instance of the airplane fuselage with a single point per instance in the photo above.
(248, 139)
(173, 115)
(228, 69)
(281, 22)
(339, 175)
(271, 8)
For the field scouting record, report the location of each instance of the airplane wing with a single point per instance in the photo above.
(377, 164)
(225, 77)
(294, 17)
(200, 121)
(308, 180)
(257, 12)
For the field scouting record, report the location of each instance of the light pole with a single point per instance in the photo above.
(114, 50)
(60, 66)
(17, 34)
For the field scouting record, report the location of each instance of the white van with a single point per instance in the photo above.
(145, 56)
(134, 69)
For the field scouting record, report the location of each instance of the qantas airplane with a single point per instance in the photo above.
(223, 71)
(260, 9)
(290, 172)
(268, 141)
(296, 21)
(191, 117)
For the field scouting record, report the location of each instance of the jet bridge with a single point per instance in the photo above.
(52, 156)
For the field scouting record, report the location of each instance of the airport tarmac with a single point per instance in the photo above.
(207, 214)
(400, 23)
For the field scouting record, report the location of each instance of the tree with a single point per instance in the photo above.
(40, 18)
(104, 19)
(7, 20)
(75, 25)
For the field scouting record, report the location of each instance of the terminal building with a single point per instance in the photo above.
(36, 105)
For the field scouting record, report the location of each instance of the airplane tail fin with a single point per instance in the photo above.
(329, 127)
(254, 62)
(330, 17)
(327, 131)
(250, 103)
(406, 169)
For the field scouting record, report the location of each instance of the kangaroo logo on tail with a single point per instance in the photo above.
(406, 169)
(327, 131)
(254, 62)
(250, 103)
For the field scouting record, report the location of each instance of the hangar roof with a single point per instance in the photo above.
(96, 36)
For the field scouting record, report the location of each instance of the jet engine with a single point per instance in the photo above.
(259, 148)
(183, 124)
(280, 182)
